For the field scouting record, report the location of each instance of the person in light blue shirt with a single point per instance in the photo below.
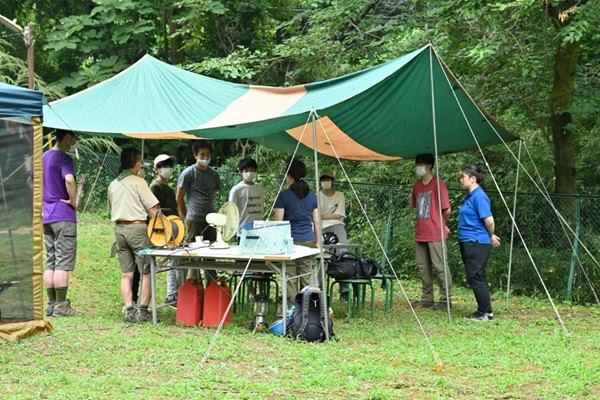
(476, 236)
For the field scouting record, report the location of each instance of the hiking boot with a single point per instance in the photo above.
(423, 304)
(441, 306)
(129, 315)
(480, 316)
(63, 309)
(50, 308)
(143, 314)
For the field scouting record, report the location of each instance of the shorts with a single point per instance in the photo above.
(60, 239)
(130, 239)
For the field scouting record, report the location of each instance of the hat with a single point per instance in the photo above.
(328, 173)
(160, 158)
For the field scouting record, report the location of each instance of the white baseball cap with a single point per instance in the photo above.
(162, 157)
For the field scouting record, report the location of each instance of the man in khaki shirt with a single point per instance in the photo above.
(131, 201)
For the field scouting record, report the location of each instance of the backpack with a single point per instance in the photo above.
(307, 321)
(350, 266)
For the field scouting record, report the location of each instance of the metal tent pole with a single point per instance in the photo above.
(439, 194)
(319, 236)
(512, 227)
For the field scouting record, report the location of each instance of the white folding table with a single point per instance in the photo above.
(230, 259)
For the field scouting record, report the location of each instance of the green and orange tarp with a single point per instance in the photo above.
(382, 113)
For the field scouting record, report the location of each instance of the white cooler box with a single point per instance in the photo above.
(275, 238)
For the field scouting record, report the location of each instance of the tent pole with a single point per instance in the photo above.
(512, 227)
(320, 235)
(439, 194)
(143, 152)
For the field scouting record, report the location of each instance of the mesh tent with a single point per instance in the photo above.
(21, 252)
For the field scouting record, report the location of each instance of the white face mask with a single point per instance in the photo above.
(421, 170)
(249, 176)
(326, 185)
(166, 172)
(204, 163)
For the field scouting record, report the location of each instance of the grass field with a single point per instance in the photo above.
(522, 354)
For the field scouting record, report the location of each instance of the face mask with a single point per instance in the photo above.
(204, 163)
(421, 170)
(141, 173)
(326, 185)
(166, 172)
(249, 176)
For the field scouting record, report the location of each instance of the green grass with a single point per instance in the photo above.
(520, 355)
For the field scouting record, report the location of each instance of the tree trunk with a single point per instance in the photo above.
(560, 117)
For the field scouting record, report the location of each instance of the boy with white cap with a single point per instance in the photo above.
(163, 168)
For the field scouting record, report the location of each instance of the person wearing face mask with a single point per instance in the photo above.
(248, 195)
(163, 168)
(333, 207)
(131, 202)
(199, 184)
(60, 222)
(426, 199)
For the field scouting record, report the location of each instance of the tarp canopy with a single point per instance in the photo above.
(19, 103)
(381, 113)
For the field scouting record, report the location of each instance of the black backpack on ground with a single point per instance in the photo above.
(350, 266)
(308, 319)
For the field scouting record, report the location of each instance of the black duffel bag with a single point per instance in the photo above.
(350, 266)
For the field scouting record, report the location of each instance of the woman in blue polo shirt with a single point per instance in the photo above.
(476, 237)
(298, 205)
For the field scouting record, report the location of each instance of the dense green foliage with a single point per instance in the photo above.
(507, 54)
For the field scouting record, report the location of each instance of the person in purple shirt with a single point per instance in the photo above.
(60, 222)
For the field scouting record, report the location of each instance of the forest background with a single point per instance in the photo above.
(532, 64)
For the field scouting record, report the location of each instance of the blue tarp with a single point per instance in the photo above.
(20, 103)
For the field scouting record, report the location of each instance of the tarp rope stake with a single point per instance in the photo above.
(245, 271)
(364, 211)
(560, 320)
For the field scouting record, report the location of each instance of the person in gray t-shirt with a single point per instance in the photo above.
(248, 195)
(200, 184)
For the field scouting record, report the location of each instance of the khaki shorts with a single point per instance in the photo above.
(60, 239)
(130, 239)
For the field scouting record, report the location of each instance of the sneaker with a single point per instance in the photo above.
(480, 316)
(63, 309)
(143, 314)
(423, 304)
(441, 306)
(171, 301)
(50, 308)
(129, 315)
